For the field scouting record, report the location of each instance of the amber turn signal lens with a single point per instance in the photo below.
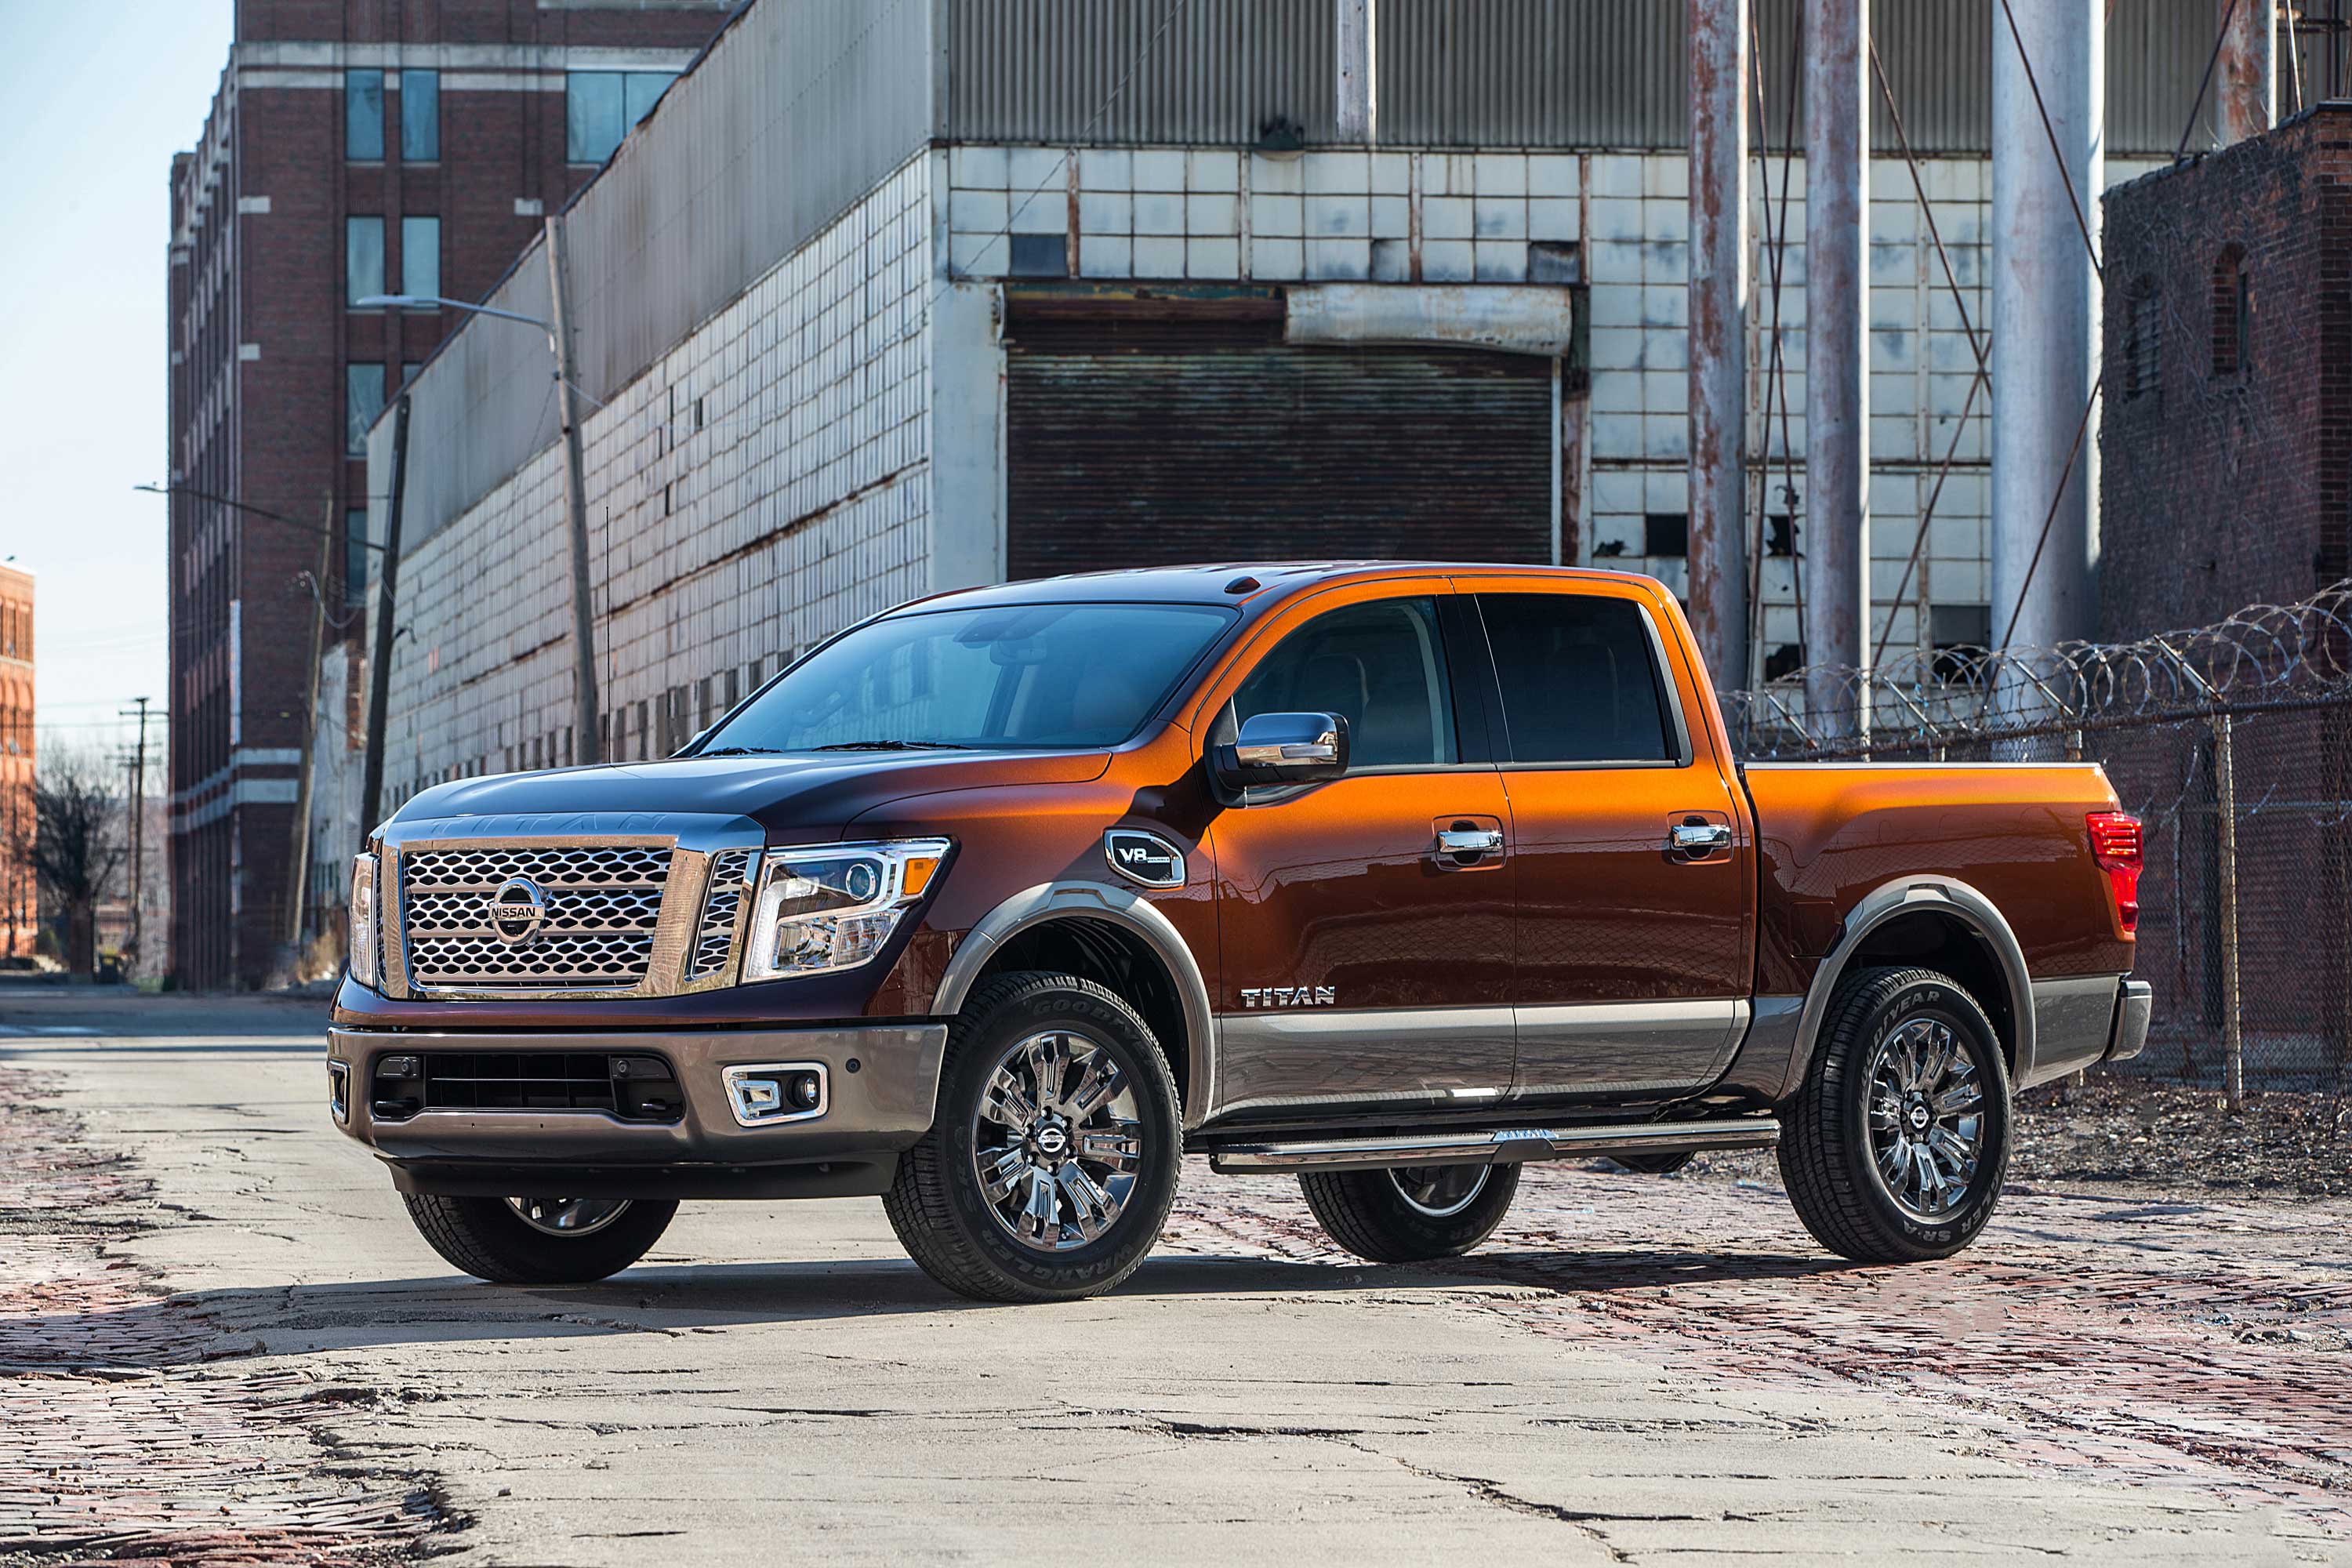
(917, 875)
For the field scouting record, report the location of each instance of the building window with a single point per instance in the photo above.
(356, 554)
(1962, 634)
(1780, 533)
(1666, 533)
(2142, 339)
(408, 369)
(363, 259)
(2234, 309)
(420, 117)
(363, 116)
(1783, 661)
(362, 402)
(420, 256)
(599, 107)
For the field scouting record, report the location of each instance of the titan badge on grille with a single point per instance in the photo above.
(558, 916)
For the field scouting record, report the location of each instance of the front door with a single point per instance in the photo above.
(1634, 864)
(1362, 964)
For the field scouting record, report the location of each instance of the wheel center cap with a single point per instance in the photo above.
(1919, 1117)
(1052, 1140)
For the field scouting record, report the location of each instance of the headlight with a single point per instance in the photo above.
(363, 911)
(828, 907)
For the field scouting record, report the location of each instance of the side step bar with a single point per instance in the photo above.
(1504, 1146)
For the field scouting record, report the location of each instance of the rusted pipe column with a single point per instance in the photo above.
(1837, 378)
(1360, 98)
(1718, 337)
(2245, 76)
(2045, 318)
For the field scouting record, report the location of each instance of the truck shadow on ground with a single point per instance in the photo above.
(684, 1300)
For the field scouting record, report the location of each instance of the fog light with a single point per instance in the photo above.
(397, 1066)
(767, 1093)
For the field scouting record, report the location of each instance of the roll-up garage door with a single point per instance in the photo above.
(1142, 442)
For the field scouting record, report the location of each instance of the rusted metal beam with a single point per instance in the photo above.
(2045, 316)
(1837, 379)
(2245, 76)
(1356, 28)
(1718, 337)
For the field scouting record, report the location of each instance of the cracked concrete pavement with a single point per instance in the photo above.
(1633, 1370)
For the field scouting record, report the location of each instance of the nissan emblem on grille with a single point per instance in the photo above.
(518, 909)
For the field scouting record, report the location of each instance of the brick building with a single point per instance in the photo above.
(19, 898)
(355, 147)
(2226, 445)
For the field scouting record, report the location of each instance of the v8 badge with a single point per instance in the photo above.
(1144, 857)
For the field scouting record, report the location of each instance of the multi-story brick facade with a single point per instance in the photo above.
(354, 147)
(2226, 447)
(19, 898)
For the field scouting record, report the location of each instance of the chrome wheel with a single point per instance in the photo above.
(1440, 1192)
(1058, 1140)
(568, 1217)
(1926, 1116)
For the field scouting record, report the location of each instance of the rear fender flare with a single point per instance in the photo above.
(1910, 896)
(1114, 906)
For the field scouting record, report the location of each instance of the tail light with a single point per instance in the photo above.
(2114, 845)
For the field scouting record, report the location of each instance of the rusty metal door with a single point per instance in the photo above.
(1137, 443)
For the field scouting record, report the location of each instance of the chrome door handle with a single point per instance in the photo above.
(1469, 841)
(1700, 838)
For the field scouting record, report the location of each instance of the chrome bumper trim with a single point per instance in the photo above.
(2133, 1002)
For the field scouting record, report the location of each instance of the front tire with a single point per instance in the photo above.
(1411, 1215)
(1049, 1170)
(1898, 1142)
(540, 1241)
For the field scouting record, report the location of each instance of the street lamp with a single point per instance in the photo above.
(588, 747)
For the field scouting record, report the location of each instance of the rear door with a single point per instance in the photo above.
(1362, 966)
(1635, 871)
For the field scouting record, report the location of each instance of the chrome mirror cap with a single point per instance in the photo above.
(1286, 749)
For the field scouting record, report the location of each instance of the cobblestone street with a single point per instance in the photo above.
(220, 1343)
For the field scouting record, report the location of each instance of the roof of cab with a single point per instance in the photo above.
(1233, 583)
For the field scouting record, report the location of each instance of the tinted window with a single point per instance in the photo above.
(1580, 679)
(1380, 667)
(364, 115)
(420, 116)
(1043, 676)
(600, 106)
(363, 259)
(420, 256)
(362, 405)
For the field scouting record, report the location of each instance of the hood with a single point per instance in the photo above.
(801, 796)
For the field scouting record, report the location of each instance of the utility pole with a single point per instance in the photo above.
(138, 821)
(1356, 25)
(2049, 110)
(299, 882)
(1837, 379)
(2245, 84)
(387, 585)
(1717, 545)
(575, 501)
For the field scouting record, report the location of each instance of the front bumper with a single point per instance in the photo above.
(874, 1109)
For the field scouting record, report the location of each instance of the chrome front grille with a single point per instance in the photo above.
(722, 911)
(557, 916)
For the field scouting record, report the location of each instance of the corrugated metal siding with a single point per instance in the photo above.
(799, 109)
(1496, 73)
(1152, 443)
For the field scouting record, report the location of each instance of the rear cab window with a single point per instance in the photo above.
(1581, 683)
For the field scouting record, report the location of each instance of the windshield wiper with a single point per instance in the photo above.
(741, 751)
(892, 746)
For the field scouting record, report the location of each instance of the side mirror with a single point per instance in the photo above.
(1285, 749)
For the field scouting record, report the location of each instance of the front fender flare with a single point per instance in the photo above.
(1115, 906)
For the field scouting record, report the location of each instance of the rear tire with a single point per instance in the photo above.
(1023, 1193)
(491, 1239)
(1898, 1143)
(1411, 1215)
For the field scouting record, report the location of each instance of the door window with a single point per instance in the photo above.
(1380, 665)
(1580, 679)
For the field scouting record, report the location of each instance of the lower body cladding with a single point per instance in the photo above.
(820, 1112)
(1506, 1146)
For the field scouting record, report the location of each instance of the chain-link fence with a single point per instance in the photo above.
(2232, 743)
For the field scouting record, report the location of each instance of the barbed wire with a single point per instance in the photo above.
(2265, 658)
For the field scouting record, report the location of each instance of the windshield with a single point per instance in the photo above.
(1043, 677)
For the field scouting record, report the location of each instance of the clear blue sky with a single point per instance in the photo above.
(100, 97)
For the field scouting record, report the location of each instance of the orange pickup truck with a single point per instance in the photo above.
(1388, 877)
